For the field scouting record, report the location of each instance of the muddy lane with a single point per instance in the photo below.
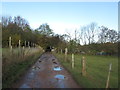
(47, 73)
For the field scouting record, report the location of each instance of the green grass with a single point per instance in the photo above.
(97, 70)
(0, 50)
(15, 65)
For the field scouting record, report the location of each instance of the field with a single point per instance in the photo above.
(97, 68)
(16, 62)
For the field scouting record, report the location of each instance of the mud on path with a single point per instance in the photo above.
(46, 73)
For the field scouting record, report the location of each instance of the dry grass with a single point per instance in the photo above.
(16, 62)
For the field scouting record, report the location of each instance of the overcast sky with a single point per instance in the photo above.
(64, 16)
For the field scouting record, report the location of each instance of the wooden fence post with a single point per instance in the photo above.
(83, 66)
(19, 51)
(10, 46)
(25, 43)
(66, 54)
(29, 45)
(11, 51)
(23, 51)
(33, 44)
(72, 60)
(19, 44)
(107, 83)
(61, 51)
(10, 42)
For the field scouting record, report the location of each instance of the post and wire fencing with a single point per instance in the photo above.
(23, 49)
(66, 51)
(108, 78)
(84, 68)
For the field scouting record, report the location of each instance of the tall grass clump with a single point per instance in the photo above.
(16, 62)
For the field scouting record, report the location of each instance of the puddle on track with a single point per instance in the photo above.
(40, 61)
(55, 62)
(57, 68)
(35, 68)
(53, 59)
(24, 86)
(60, 77)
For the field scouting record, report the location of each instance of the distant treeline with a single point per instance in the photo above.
(18, 28)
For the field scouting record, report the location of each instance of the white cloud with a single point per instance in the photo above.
(62, 28)
(59, 27)
(34, 25)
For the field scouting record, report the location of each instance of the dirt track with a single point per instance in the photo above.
(47, 73)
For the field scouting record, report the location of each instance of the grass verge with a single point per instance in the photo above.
(14, 67)
(96, 68)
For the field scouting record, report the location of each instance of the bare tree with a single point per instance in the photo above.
(6, 20)
(90, 32)
(21, 22)
(112, 36)
(93, 31)
(75, 35)
(103, 34)
(82, 35)
(68, 36)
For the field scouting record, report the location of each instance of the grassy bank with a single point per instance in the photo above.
(97, 70)
(15, 64)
